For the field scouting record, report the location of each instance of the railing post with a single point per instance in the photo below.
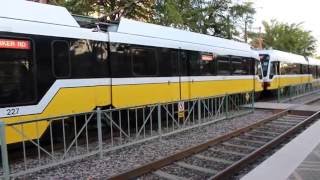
(278, 94)
(227, 106)
(99, 125)
(252, 101)
(159, 122)
(199, 110)
(4, 151)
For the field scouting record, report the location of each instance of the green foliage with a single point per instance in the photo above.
(216, 17)
(289, 37)
(110, 9)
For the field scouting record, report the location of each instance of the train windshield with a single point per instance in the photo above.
(264, 63)
(16, 73)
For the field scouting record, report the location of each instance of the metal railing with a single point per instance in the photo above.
(77, 136)
(289, 93)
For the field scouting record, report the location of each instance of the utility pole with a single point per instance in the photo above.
(229, 28)
(260, 38)
(246, 31)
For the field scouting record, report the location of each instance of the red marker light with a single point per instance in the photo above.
(14, 44)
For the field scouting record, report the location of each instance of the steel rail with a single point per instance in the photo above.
(257, 153)
(149, 167)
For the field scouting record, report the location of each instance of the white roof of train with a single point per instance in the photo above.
(25, 17)
(156, 35)
(276, 55)
(313, 61)
(20, 16)
(37, 12)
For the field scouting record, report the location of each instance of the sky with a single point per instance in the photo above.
(291, 11)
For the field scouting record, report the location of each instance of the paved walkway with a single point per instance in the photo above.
(299, 107)
(309, 169)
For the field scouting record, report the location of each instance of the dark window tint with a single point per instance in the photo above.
(194, 63)
(313, 71)
(168, 62)
(223, 65)
(207, 64)
(17, 83)
(257, 68)
(144, 62)
(264, 63)
(240, 66)
(290, 68)
(120, 60)
(100, 59)
(183, 63)
(61, 59)
(274, 68)
(304, 69)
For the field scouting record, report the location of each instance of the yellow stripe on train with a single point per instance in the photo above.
(85, 99)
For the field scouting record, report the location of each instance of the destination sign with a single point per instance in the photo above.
(14, 44)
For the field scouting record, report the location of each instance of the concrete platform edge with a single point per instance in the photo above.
(284, 162)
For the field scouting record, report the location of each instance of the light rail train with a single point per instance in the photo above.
(283, 69)
(51, 66)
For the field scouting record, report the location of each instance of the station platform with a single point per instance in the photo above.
(297, 160)
(282, 106)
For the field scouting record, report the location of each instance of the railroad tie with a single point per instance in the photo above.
(239, 146)
(250, 141)
(196, 168)
(165, 175)
(267, 132)
(219, 160)
(278, 126)
(227, 152)
(268, 138)
(284, 123)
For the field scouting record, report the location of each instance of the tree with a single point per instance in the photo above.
(222, 18)
(217, 17)
(110, 9)
(289, 37)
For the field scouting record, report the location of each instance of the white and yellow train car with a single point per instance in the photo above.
(314, 69)
(282, 69)
(51, 66)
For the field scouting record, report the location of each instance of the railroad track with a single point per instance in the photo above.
(224, 156)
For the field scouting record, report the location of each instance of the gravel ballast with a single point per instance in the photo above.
(124, 159)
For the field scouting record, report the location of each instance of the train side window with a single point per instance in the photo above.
(168, 62)
(304, 69)
(207, 64)
(144, 62)
(257, 68)
(313, 71)
(183, 63)
(61, 59)
(240, 66)
(274, 69)
(283, 68)
(17, 78)
(223, 65)
(194, 60)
